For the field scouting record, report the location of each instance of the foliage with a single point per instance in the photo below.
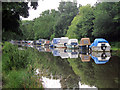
(67, 12)
(12, 35)
(101, 76)
(106, 22)
(82, 24)
(11, 12)
(43, 26)
(58, 68)
(27, 30)
(101, 21)
(18, 67)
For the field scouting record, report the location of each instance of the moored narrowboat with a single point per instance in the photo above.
(72, 43)
(100, 44)
(63, 42)
(54, 42)
(84, 43)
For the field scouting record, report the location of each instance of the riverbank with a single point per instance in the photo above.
(18, 67)
(115, 46)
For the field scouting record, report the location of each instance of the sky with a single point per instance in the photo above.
(51, 4)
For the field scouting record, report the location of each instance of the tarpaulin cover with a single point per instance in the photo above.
(98, 40)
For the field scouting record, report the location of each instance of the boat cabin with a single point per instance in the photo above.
(72, 43)
(63, 42)
(85, 41)
(100, 44)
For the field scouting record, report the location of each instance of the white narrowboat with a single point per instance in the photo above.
(72, 43)
(63, 42)
(54, 42)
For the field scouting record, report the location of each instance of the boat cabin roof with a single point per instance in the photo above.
(98, 40)
(85, 41)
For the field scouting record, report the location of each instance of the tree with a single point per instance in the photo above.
(43, 26)
(107, 20)
(11, 12)
(27, 30)
(82, 24)
(67, 12)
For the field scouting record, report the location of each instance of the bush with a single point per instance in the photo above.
(18, 67)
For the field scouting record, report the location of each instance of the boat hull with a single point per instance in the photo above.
(99, 48)
(71, 46)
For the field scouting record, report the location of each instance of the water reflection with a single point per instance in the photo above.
(84, 54)
(85, 58)
(52, 82)
(100, 57)
(73, 68)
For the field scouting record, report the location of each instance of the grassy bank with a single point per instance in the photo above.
(18, 67)
(115, 46)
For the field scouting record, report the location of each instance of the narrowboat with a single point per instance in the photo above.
(100, 44)
(47, 42)
(63, 42)
(100, 57)
(72, 43)
(84, 43)
(12, 42)
(30, 43)
(54, 42)
(38, 42)
(41, 42)
(39, 48)
(84, 54)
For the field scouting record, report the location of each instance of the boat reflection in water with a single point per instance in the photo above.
(39, 48)
(100, 57)
(85, 58)
(65, 53)
(83, 53)
(73, 53)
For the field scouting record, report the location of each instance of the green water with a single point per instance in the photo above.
(66, 68)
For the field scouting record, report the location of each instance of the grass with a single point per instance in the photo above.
(115, 46)
(18, 67)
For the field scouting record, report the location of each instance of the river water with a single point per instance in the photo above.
(76, 68)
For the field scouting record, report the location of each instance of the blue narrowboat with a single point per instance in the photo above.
(100, 44)
(55, 41)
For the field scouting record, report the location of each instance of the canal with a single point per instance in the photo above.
(75, 68)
